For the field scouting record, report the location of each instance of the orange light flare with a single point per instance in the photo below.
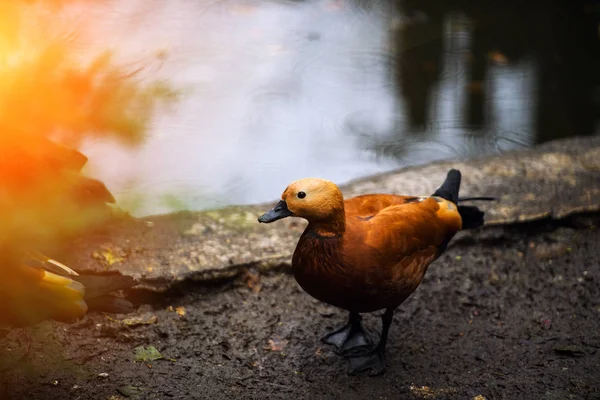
(36, 95)
(52, 91)
(44, 92)
(52, 87)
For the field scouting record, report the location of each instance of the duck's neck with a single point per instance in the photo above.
(334, 226)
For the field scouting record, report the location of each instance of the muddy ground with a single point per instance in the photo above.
(506, 313)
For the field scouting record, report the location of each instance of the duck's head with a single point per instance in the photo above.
(313, 199)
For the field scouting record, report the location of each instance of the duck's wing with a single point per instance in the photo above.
(390, 252)
(403, 230)
(368, 205)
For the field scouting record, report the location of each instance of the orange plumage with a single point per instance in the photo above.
(369, 252)
(30, 294)
(45, 198)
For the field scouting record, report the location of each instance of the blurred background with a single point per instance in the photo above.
(262, 93)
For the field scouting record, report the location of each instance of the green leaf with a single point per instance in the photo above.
(146, 354)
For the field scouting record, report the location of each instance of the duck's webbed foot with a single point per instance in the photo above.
(351, 337)
(373, 361)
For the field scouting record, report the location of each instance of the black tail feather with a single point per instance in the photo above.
(450, 187)
(472, 217)
(477, 198)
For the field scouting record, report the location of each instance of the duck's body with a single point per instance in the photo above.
(352, 272)
(369, 252)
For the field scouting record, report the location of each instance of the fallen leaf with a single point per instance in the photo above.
(423, 391)
(149, 353)
(180, 311)
(109, 256)
(426, 392)
(143, 319)
(252, 279)
(276, 344)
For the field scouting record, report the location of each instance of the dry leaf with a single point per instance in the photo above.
(276, 344)
(143, 319)
(109, 256)
(252, 279)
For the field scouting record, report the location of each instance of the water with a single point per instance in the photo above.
(280, 90)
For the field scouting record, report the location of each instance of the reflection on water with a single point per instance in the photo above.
(279, 90)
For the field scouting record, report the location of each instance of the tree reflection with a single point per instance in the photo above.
(560, 37)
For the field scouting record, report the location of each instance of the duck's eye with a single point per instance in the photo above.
(301, 195)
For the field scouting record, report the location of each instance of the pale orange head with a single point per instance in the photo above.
(313, 199)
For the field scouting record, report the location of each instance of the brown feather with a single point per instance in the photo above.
(372, 252)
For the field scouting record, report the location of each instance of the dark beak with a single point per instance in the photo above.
(278, 212)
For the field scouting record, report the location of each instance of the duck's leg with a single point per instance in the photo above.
(375, 360)
(350, 336)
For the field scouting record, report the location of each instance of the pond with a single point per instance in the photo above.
(279, 90)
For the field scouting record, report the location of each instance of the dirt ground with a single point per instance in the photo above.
(507, 313)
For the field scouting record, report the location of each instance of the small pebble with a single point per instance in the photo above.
(103, 375)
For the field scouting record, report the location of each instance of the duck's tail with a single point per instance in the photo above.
(450, 187)
(472, 217)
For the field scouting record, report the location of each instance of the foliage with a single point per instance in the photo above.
(46, 89)
(50, 93)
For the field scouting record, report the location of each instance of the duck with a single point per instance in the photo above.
(45, 200)
(370, 252)
(40, 288)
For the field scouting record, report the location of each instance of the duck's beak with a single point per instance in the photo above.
(280, 211)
